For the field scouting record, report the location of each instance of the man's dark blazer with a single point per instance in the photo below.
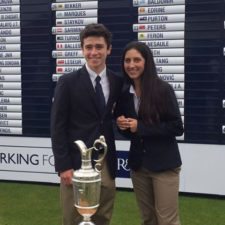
(75, 116)
(153, 146)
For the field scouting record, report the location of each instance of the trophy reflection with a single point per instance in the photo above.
(87, 180)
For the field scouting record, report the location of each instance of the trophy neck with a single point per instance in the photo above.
(86, 164)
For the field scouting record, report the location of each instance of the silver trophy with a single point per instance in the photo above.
(87, 180)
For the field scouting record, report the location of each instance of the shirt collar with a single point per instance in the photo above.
(93, 74)
(132, 91)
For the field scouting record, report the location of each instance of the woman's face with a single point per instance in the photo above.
(134, 64)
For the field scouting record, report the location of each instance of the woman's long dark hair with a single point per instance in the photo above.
(152, 105)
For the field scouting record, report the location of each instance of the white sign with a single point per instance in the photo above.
(10, 123)
(9, 32)
(10, 70)
(9, 9)
(74, 45)
(10, 130)
(10, 40)
(11, 93)
(75, 5)
(67, 69)
(10, 101)
(10, 47)
(55, 77)
(177, 86)
(12, 55)
(67, 54)
(180, 102)
(76, 22)
(10, 62)
(161, 18)
(157, 2)
(169, 60)
(77, 13)
(9, 24)
(11, 16)
(168, 52)
(77, 61)
(161, 35)
(11, 108)
(175, 9)
(179, 94)
(68, 38)
(170, 69)
(158, 27)
(9, 2)
(67, 30)
(11, 116)
(171, 77)
(165, 44)
(10, 85)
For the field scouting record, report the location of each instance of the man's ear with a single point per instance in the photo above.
(109, 49)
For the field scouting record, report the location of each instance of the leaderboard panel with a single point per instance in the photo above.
(10, 68)
(25, 67)
(40, 42)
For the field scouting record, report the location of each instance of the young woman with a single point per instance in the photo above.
(148, 114)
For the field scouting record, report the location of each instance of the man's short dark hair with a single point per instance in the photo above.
(96, 30)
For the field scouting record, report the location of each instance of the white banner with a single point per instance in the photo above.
(67, 54)
(10, 101)
(161, 18)
(160, 35)
(10, 93)
(75, 5)
(77, 13)
(175, 9)
(170, 69)
(157, 2)
(10, 116)
(158, 27)
(172, 77)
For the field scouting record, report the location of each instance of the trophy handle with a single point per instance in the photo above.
(100, 142)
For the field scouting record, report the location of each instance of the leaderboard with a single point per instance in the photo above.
(71, 18)
(10, 68)
(40, 41)
(161, 25)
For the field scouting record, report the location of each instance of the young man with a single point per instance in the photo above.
(76, 116)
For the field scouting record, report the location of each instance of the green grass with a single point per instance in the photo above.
(35, 204)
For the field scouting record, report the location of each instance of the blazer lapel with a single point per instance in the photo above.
(89, 88)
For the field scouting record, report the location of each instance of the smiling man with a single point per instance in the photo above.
(76, 115)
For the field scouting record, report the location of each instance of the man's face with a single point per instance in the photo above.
(95, 52)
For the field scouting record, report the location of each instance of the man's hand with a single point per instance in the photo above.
(66, 177)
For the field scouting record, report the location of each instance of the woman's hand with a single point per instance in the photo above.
(126, 123)
(122, 122)
(132, 124)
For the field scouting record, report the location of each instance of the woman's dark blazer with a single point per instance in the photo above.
(75, 116)
(153, 146)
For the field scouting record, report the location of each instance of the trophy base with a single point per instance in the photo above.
(86, 223)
